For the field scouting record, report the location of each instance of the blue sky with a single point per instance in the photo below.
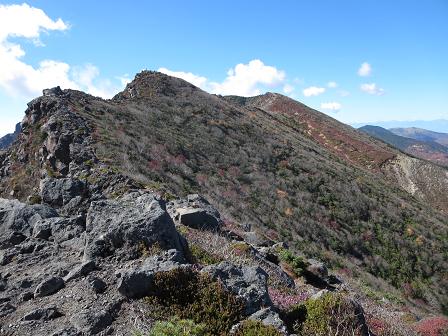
(357, 61)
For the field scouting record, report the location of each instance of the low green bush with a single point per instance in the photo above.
(191, 295)
(330, 314)
(256, 328)
(297, 263)
(178, 327)
(201, 256)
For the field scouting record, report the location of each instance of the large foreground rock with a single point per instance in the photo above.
(137, 283)
(20, 218)
(249, 283)
(58, 192)
(131, 224)
(196, 212)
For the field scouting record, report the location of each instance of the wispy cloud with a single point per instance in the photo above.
(372, 88)
(331, 106)
(332, 85)
(313, 91)
(288, 89)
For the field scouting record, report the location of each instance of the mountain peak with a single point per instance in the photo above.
(148, 84)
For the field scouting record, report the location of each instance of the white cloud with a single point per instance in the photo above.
(287, 88)
(199, 81)
(332, 85)
(344, 93)
(25, 21)
(313, 91)
(19, 79)
(365, 70)
(332, 106)
(243, 80)
(372, 89)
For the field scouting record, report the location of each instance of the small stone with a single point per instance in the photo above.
(49, 286)
(44, 314)
(6, 309)
(97, 285)
(81, 270)
(26, 296)
(91, 322)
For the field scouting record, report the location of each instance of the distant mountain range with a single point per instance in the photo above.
(422, 135)
(418, 142)
(440, 125)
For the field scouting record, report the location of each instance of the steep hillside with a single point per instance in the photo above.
(341, 140)
(8, 139)
(357, 149)
(422, 135)
(266, 163)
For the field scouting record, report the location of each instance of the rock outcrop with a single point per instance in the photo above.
(8, 139)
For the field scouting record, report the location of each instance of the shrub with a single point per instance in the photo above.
(201, 256)
(286, 298)
(297, 263)
(330, 314)
(178, 327)
(255, 328)
(34, 199)
(145, 251)
(241, 248)
(434, 326)
(190, 295)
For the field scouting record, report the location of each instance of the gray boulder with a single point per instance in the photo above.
(42, 230)
(196, 212)
(268, 317)
(53, 92)
(256, 239)
(249, 283)
(97, 285)
(317, 268)
(80, 271)
(49, 286)
(6, 308)
(137, 283)
(63, 229)
(44, 314)
(11, 239)
(91, 322)
(136, 220)
(21, 218)
(70, 331)
(58, 192)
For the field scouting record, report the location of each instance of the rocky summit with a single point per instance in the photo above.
(167, 209)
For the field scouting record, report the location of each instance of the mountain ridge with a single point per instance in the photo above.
(265, 162)
(422, 134)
